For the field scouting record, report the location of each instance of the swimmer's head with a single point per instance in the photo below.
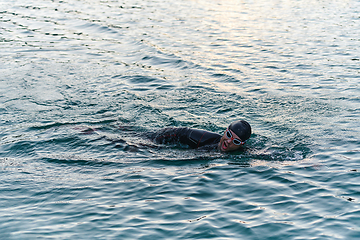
(242, 129)
(235, 136)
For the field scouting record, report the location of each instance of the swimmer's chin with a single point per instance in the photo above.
(222, 146)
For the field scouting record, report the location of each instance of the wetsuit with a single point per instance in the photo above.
(194, 138)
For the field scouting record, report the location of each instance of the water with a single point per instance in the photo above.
(82, 80)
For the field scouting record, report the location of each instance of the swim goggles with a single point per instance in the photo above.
(236, 141)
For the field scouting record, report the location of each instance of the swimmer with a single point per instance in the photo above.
(234, 137)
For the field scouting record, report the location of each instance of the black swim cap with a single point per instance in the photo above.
(242, 129)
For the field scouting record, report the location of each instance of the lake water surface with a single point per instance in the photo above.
(81, 81)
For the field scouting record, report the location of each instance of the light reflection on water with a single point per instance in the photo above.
(82, 82)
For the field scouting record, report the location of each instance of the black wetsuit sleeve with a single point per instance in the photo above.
(199, 138)
(194, 138)
(170, 135)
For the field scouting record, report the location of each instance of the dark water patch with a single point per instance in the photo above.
(76, 125)
(165, 59)
(68, 160)
(182, 159)
(18, 147)
(141, 79)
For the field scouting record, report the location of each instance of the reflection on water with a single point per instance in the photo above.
(83, 81)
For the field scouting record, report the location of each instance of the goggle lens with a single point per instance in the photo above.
(234, 140)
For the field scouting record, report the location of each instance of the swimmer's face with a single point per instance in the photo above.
(226, 143)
